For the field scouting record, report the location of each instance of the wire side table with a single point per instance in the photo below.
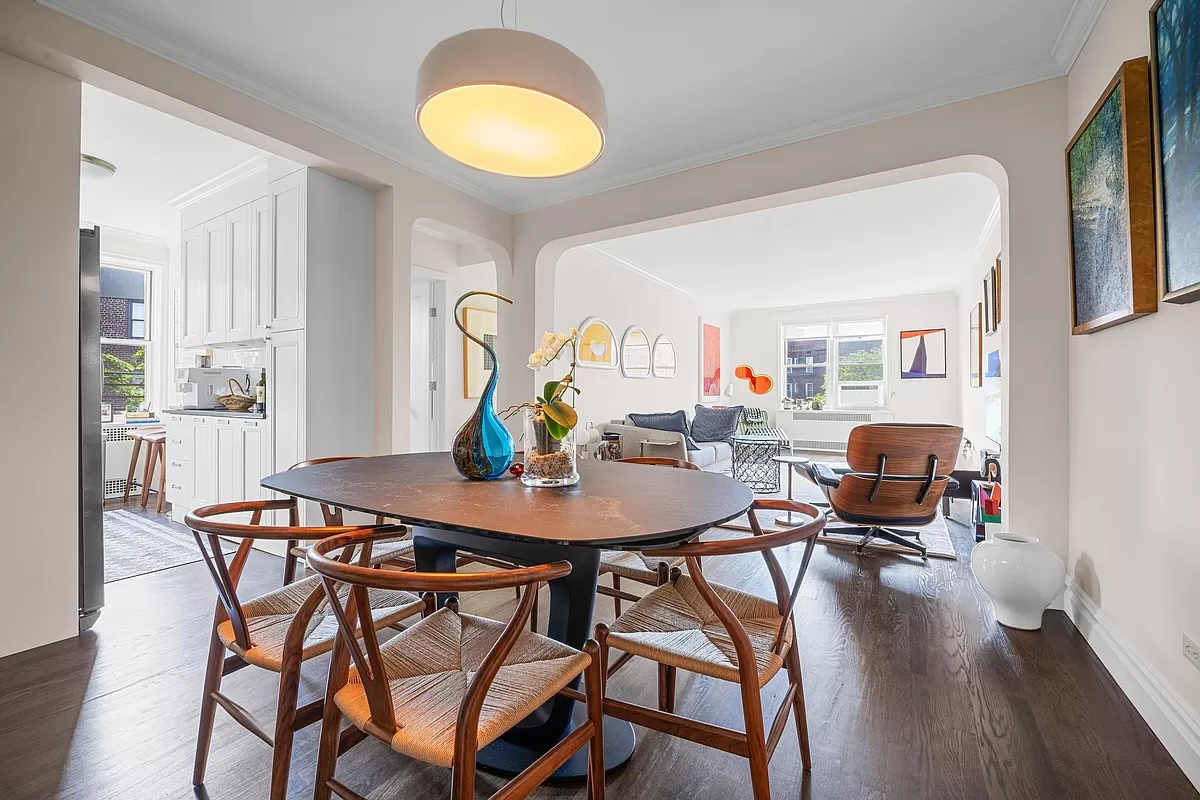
(754, 464)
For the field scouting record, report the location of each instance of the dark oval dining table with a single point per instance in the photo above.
(614, 506)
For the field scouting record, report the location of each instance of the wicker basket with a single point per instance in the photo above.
(235, 401)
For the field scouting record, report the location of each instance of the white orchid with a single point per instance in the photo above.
(553, 345)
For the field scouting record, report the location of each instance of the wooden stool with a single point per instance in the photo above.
(156, 455)
(137, 437)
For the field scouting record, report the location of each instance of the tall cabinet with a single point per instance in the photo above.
(289, 267)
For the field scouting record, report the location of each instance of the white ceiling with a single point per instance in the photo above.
(910, 238)
(157, 157)
(688, 81)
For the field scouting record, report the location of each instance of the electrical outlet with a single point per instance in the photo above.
(1191, 650)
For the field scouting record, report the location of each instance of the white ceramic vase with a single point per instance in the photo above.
(1020, 575)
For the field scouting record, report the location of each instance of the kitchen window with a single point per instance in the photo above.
(838, 364)
(124, 336)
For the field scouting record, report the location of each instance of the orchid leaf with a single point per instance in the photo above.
(556, 430)
(562, 414)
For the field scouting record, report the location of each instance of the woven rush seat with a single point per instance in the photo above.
(642, 567)
(269, 616)
(673, 625)
(429, 667)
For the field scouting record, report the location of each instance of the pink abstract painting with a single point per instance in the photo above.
(710, 361)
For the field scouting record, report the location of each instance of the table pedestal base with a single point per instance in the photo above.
(508, 756)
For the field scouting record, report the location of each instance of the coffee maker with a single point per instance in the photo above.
(202, 386)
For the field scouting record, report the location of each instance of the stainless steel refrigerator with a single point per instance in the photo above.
(91, 453)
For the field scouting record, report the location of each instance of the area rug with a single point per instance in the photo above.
(136, 545)
(935, 536)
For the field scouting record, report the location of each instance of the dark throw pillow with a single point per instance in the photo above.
(715, 424)
(675, 421)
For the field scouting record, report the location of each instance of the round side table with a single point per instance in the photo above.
(791, 462)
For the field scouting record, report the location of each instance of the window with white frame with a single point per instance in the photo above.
(837, 364)
(124, 336)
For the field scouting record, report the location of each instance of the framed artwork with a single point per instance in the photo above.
(989, 305)
(1110, 187)
(477, 362)
(597, 345)
(1175, 63)
(635, 353)
(976, 345)
(106, 412)
(923, 353)
(710, 361)
(996, 282)
(991, 397)
(665, 364)
(758, 384)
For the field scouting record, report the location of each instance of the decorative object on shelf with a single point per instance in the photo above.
(597, 345)
(664, 357)
(610, 447)
(759, 384)
(549, 423)
(238, 398)
(477, 364)
(1110, 187)
(1175, 60)
(976, 345)
(923, 353)
(710, 361)
(635, 353)
(512, 103)
(483, 447)
(1020, 575)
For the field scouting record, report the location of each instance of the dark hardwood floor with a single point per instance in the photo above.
(913, 692)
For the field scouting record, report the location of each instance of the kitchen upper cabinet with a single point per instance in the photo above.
(216, 257)
(240, 292)
(263, 276)
(289, 227)
(194, 282)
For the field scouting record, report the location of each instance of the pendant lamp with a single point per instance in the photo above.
(512, 103)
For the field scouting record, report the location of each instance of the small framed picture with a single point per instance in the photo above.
(106, 412)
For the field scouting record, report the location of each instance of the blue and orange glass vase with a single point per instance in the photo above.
(483, 448)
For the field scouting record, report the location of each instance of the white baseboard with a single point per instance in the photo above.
(1172, 719)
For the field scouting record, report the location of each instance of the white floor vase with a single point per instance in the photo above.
(1020, 575)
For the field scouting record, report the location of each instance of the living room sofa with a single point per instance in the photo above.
(711, 457)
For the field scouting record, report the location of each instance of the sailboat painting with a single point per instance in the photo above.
(923, 353)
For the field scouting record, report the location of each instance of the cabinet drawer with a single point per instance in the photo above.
(179, 486)
(181, 441)
(250, 423)
(179, 469)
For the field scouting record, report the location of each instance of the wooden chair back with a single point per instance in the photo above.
(900, 472)
(366, 654)
(208, 530)
(677, 463)
(760, 542)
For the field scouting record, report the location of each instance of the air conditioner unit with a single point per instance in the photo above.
(864, 396)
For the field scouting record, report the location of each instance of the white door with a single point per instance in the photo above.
(216, 310)
(288, 226)
(194, 282)
(262, 270)
(240, 294)
(422, 386)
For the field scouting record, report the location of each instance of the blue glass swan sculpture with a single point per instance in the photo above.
(483, 448)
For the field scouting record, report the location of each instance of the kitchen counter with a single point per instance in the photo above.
(215, 412)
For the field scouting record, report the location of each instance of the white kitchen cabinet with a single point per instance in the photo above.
(286, 366)
(229, 462)
(262, 273)
(255, 458)
(194, 287)
(216, 257)
(204, 464)
(240, 292)
(289, 230)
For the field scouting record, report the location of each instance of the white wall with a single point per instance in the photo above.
(39, 306)
(970, 293)
(592, 285)
(757, 342)
(1134, 433)
(474, 277)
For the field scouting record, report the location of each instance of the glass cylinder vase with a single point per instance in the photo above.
(548, 461)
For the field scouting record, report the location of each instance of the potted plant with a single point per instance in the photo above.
(549, 423)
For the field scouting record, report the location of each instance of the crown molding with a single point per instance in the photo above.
(130, 29)
(213, 185)
(985, 235)
(1080, 22)
(420, 226)
(626, 264)
(970, 88)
